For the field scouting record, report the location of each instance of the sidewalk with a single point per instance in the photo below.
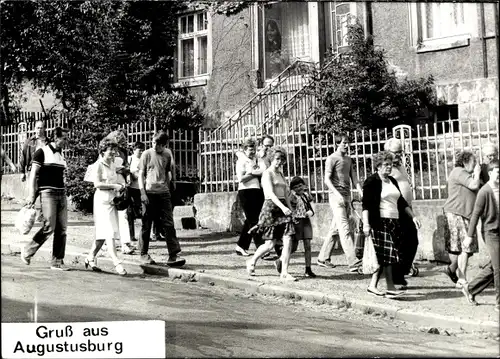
(431, 300)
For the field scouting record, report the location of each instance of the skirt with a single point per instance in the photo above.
(455, 231)
(386, 241)
(273, 224)
(105, 215)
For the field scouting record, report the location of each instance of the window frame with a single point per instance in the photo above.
(351, 15)
(417, 23)
(196, 34)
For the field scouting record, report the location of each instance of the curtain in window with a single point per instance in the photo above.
(286, 36)
(187, 57)
(444, 19)
(296, 30)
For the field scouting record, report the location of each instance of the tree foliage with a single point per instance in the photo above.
(108, 62)
(360, 91)
(109, 57)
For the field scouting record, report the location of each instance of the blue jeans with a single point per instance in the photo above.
(160, 212)
(490, 273)
(55, 213)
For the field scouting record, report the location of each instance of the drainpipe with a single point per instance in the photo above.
(497, 38)
(368, 20)
(483, 41)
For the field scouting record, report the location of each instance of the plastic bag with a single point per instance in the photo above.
(25, 219)
(370, 262)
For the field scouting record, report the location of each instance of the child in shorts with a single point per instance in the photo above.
(302, 212)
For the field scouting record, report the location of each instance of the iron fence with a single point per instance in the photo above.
(429, 153)
(184, 144)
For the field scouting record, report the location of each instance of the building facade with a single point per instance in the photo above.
(226, 60)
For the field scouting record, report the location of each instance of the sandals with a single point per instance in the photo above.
(92, 264)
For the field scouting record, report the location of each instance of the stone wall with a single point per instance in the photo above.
(222, 212)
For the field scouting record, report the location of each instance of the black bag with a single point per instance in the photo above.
(359, 240)
(122, 201)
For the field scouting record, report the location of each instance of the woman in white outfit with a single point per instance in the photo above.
(122, 167)
(107, 187)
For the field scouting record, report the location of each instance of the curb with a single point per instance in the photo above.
(254, 287)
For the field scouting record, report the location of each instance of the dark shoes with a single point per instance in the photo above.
(403, 283)
(176, 261)
(310, 273)
(59, 267)
(451, 274)
(269, 257)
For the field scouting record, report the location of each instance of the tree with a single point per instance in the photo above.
(360, 91)
(108, 62)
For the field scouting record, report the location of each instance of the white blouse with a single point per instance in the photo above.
(389, 201)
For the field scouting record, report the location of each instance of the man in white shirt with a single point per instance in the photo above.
(135, 210)
(408, 248)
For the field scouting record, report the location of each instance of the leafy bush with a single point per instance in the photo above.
(360, 91)
(81, 193)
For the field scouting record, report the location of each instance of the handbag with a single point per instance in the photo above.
(359, 240)
(25, 219)
(370, 262)
(122, 201)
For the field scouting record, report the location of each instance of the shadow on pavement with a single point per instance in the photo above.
(411, 297)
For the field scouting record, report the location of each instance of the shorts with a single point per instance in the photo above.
(303, 229)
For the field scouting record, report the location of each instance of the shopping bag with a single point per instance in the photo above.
(370, 262)
(25, 219)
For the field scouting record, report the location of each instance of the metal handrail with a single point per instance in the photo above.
(260, 96)
(296, 97)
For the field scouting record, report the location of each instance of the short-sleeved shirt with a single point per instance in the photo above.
(300, 204)
(134, 168)
(52, 166)
(340, 168)
(460, 199)
(156, 167)
(244, 165)
(400, 175)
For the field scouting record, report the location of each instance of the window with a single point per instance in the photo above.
(193, 45)
(449, 115)
(440, 25)
(442, 20)
(340, 15)
(285, 36)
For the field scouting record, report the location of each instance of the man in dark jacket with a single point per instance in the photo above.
(38, 140)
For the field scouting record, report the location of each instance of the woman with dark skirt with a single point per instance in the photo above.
(275, 219)
(383, 206)
(250, 195)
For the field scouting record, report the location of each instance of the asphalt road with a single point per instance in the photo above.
(202, 321)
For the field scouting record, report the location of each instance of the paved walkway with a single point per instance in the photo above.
(213, 253)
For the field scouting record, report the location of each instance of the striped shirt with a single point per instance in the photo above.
(52, 165)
